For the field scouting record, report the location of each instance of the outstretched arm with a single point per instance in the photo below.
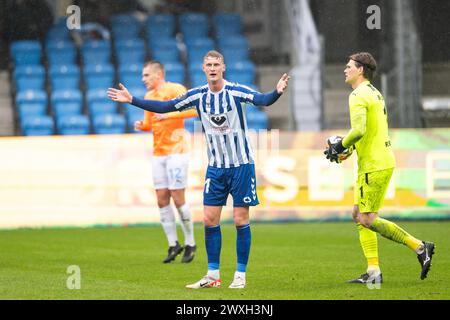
(266, 99)
(122, 95)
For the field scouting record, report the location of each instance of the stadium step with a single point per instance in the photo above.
(6, 111)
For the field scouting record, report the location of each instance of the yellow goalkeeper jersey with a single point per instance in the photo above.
(369, 129)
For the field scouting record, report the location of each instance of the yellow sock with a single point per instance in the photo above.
(369, 244)
(393, 232)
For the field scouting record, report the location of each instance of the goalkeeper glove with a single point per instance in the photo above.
(335, 147)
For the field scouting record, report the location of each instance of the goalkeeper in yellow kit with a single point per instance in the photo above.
(376, 162)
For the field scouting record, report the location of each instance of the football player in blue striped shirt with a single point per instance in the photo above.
(220, 105)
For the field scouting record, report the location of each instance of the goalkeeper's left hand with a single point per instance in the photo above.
(335, 147)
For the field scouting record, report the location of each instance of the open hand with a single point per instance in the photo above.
(120, 95)
(283, 83)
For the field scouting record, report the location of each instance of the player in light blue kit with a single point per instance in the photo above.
(231, 169)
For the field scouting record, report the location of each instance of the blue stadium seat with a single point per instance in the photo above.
(197, 79)
(64, 77)
(194, 24)
(38, 126)
(99, 103)
(25, 52)
(61, 52)
(160, 26)
(66, 102)
(109, 124)
(166, 56)
(31, 101)
(227, 23)
(175, 72)
(133, 116)
(233, 41)
(130, 51)
(73, 125)
(256, 119)
(96, 52)
(99, 76)
(137, 91)
(241, 72)
(234, 55)
(125, 26)
(28, 77)
(58, 32)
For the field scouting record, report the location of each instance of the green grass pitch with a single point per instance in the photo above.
(288, 261)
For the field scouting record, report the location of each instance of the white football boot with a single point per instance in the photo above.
(205, 282)
(238, 282)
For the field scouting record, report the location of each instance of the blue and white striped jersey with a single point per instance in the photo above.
(223, 119)
(224, 122)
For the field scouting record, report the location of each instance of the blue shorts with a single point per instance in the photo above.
(240, 182)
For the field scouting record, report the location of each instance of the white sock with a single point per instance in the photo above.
(187, 225)
(373, 270)
(239, 274)
(214, 274)
(169, 225)
(420, 249)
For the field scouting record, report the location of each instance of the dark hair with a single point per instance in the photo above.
(367, 61)
(156, 63)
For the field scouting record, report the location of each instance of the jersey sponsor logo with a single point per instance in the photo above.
(219, 124)
(387, 144)
(218, 120)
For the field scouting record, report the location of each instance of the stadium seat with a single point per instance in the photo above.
(227, 23)
(197, 79)
(234, 55)
(233, 42)
(58, 32)
(38, 126)
(99, 103)
(194, 24)
(26, 52)
(73, 125)
(197, 48)
(66, 102)
(160, 26)
(130, 51)
(256, 119)
(166, 56)
(64, 77)
(133, 114)
(175, 72)
(109, 124)
(99, 76)
(61, 52)
(96, 52)
(241, 72)
(164, 50)
(125, 26)
(33, 100)
(29, 77)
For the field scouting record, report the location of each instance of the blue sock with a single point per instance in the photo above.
(213, 243)
(243, 241)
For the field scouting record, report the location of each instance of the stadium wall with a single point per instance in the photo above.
(75, 181)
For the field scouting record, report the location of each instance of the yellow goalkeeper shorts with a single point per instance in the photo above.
(370, 190)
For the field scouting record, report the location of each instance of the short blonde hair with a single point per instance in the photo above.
(214, 54)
